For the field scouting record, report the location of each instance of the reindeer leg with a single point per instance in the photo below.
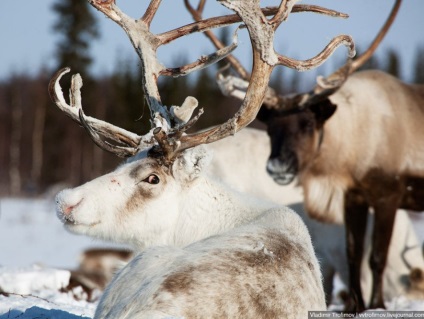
(356, 211)
(385, 212)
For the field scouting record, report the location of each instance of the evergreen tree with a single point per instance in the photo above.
(225, 37)
(371, 64)
(419, 66)
(173, 91)
(277, 81)
(393, 64)
(77, 27)
(129, 108)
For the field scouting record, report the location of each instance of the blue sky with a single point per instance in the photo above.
(27, 39)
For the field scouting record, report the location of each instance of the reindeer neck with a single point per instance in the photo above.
(210, 208)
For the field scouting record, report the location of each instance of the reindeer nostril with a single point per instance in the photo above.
(67, 210)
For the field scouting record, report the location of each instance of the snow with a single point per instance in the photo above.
(34, 292)
(30, 233)
(36, 254)
(34, 278)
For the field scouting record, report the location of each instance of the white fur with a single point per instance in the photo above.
(266, 269)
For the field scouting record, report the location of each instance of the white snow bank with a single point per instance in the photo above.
(34, 292)
(32, 279)
(52, 306)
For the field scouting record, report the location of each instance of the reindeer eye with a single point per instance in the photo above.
(152, 179)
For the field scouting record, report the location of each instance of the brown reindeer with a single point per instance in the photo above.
(353, 142)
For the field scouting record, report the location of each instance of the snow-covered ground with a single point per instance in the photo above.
(36, 254)
(34, 292)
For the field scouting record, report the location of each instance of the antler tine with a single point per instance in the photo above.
(204, 61)
(197, 16)
(129, 142)
(359, 61)
(320, 58)
(327, 86)
(145, 44)
(151, 11)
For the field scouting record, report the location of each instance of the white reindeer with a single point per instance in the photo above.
(162, 196)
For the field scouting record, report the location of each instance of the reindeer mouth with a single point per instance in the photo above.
(280, 172)
(69, 219)
(80, 229)
(283, 179)
(70, 222)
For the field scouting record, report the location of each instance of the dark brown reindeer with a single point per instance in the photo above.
(353, 142)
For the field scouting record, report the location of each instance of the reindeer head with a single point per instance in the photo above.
(142, 196)
(143, 199)
(295, 138)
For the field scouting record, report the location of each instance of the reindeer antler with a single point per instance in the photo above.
(261, 32)
(167, 128)
(325, 87)
(128, 142)
(146, 44)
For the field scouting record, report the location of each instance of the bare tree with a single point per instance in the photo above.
(40, 106)
(15, 144)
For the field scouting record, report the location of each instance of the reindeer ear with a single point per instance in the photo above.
(265, 114)
(191, 163)
(323, 110)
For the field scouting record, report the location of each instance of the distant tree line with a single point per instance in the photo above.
(41, 147)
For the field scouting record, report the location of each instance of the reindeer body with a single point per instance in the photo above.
(366, 153)
(373, 133)
(260, 270)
